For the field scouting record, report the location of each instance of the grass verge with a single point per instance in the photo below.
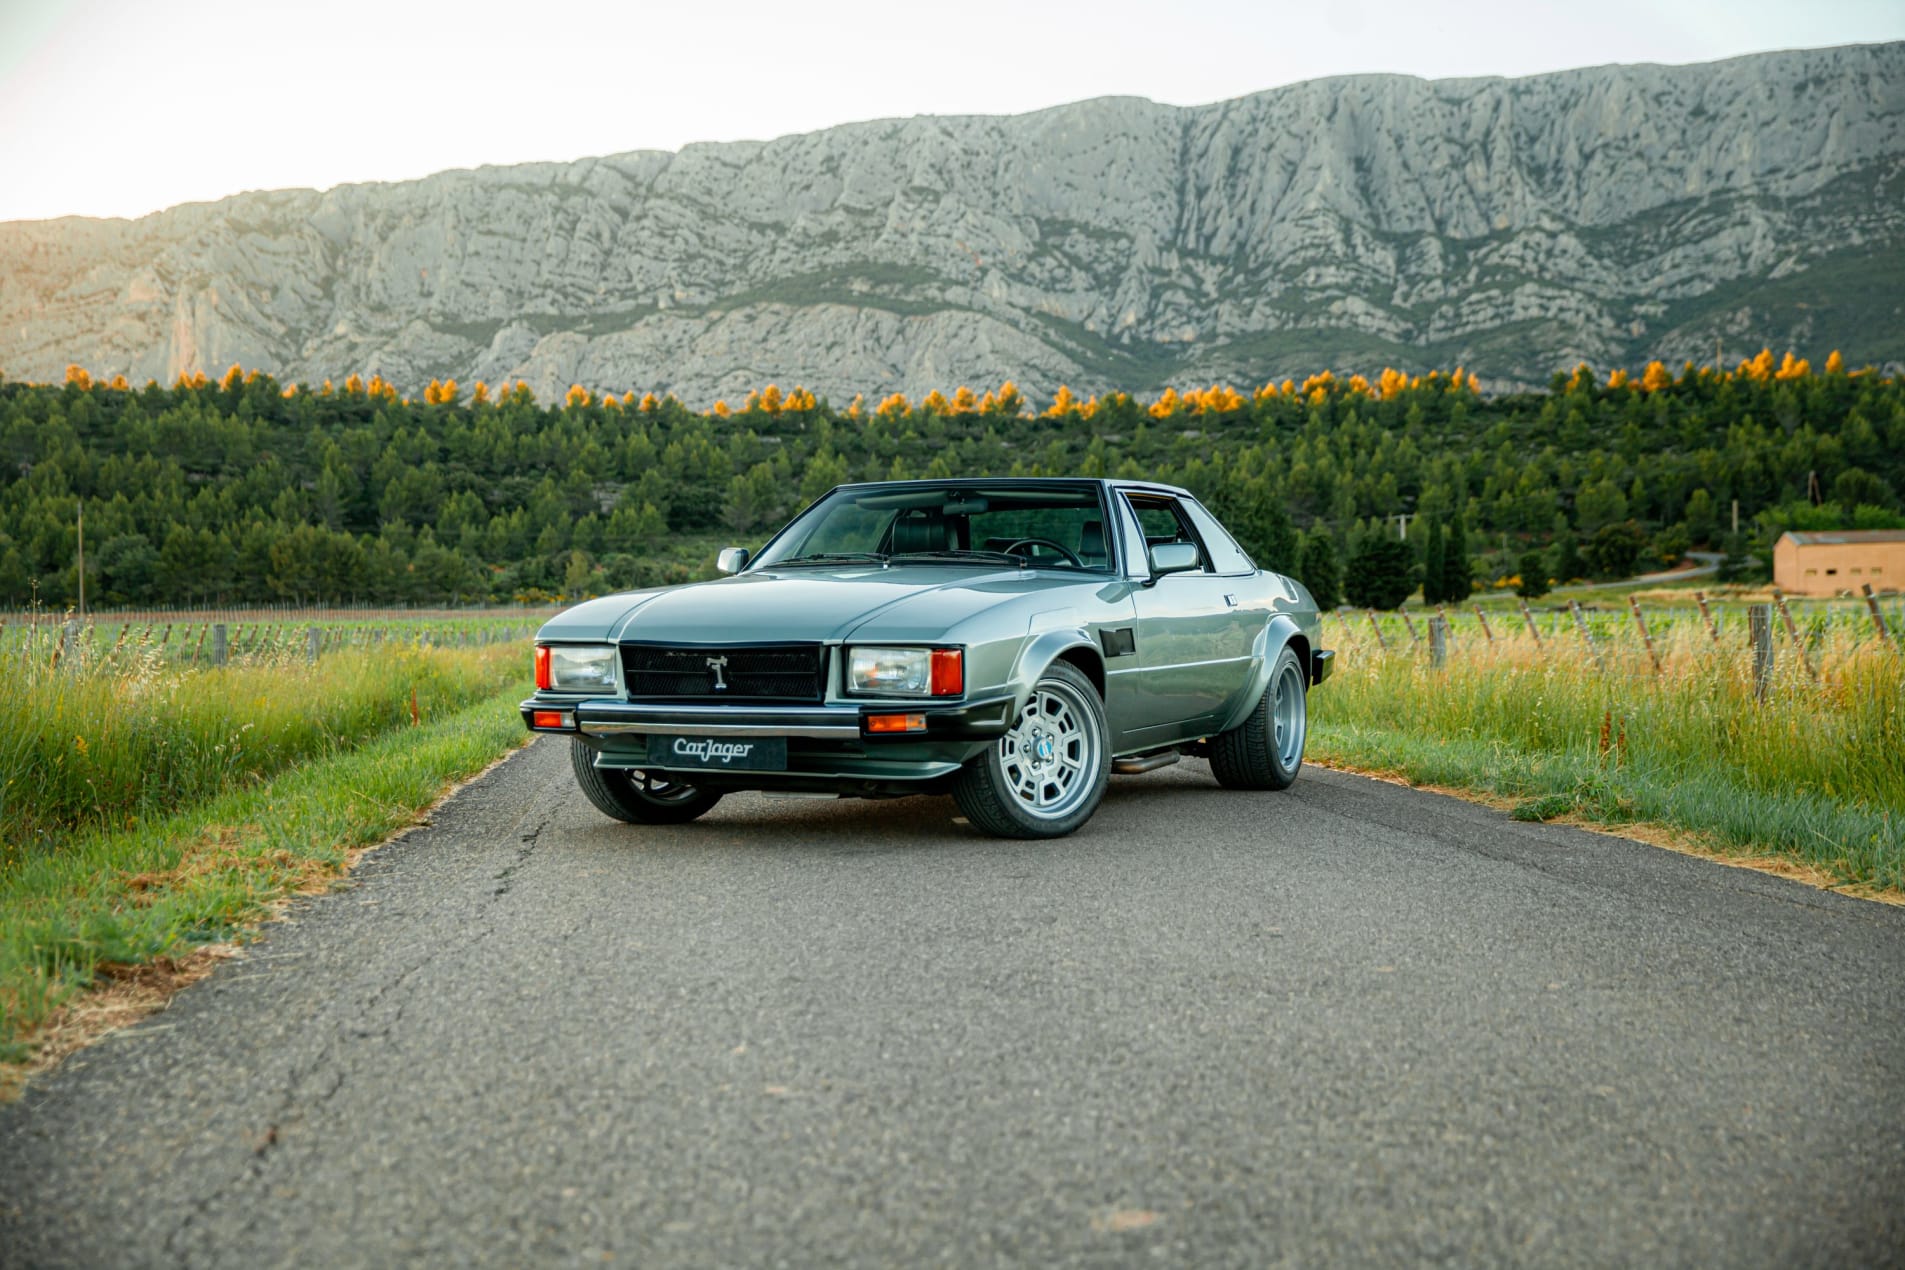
(1812, 776)
(93, 747)
(153, 895)
(1705, 817)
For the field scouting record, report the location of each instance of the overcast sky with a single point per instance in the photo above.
(121, 107)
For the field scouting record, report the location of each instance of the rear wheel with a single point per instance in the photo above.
(1265, 751)
(1046, 775)
(637, 798)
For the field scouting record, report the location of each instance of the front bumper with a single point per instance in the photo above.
(825, 743)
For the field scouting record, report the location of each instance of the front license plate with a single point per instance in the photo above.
(744, 753)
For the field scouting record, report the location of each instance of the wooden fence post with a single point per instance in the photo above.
(1529, 618)
(1646, 637)
(1413, 637)
(1792, 633)
(1759, 625)
(1482, 617)
(1700, 598)
(1587, 636)
(221, 644)
(1878, 615)
(311, 645)
(1438, 641)
(1376, 626)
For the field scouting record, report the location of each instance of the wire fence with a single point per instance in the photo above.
(325, 614)
(1769, 638)
(213, 638)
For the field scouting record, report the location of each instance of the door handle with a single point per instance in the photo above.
(1231, 600)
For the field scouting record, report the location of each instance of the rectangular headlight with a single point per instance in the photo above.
(581, 667)
(905, 672)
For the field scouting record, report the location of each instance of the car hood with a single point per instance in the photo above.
(922, 602)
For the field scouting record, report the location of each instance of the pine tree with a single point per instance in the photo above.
(1533, 571)
(1733, 560)
(1378, 576)
(1319, 569)
(1567, 564)
(1458, 573)
(1433, 558)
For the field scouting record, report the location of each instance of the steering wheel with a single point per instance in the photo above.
(1070, 558)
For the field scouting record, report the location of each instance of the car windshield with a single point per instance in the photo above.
(1009, 525)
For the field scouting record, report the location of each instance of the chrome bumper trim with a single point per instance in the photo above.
(615, 719)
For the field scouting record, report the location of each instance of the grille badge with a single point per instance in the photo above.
(715, 664)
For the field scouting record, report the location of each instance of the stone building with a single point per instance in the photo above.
(1830, 561)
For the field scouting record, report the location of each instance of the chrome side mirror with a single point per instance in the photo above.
(731, 559)
(1173, 557)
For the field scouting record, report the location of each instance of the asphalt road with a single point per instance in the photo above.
(1350, 1024)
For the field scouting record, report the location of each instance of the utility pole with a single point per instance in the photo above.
(82, 558)
(1402, 525)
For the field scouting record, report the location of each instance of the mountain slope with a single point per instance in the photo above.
(1611, 214)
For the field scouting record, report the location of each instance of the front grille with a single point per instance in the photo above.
(763, 672)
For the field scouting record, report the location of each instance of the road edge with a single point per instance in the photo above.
(121, 995)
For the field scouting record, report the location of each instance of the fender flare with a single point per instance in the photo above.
(1040, 650)
(1275, 636)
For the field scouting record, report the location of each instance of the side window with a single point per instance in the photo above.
(1224, 553)
(1162, 520)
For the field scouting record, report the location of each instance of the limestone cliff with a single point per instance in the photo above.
(1612, 214)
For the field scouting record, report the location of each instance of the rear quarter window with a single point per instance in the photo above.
(1225, 555)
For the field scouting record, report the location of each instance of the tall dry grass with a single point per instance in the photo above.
(1816, 769)
(101, 734)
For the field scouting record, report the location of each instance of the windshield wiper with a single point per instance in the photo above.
(956, 555)
(834, 557)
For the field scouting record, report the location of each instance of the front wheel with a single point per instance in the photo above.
(636, 798)
(1265, 751)
(1047, 774)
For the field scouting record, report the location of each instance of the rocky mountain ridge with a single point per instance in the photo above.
(1613, 215)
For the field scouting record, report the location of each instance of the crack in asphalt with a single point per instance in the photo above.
(309, 1087)
(508, 873)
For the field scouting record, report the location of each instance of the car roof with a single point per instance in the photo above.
(1157, 487)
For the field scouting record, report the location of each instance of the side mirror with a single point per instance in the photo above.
(731, 560)
(1173, 557)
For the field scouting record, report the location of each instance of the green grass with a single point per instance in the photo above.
(1814, 773)
(171, 883)
(105, 743)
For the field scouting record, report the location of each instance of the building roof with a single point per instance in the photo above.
(1844, 537)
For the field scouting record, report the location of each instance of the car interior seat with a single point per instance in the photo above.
(919, 529)
(1091, 542)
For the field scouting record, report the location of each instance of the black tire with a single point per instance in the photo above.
(1045, 777)
(636, 798)
(1265, 751)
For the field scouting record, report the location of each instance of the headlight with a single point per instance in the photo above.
(906, 672)
(576, 667)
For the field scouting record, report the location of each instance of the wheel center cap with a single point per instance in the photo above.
(1044, 748)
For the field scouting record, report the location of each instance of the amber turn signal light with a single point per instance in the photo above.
(542, 667)
(897, 722)
(949, 672)
(548, 719)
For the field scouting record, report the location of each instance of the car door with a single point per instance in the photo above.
(1194, 639)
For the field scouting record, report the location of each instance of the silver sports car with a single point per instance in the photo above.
(1012, 642)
